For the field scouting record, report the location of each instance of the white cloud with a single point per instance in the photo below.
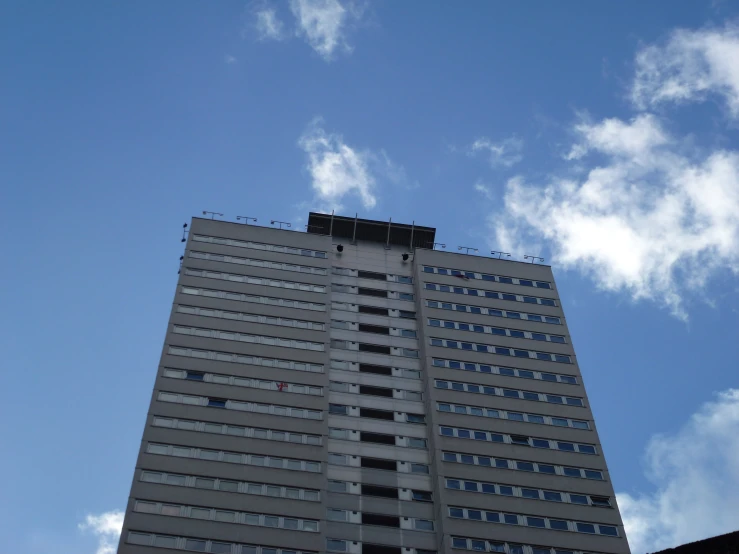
(107, 527)
(696, 473)
(269, 26)
(336, 168)
(689, 66)
(484, 189)
(504, 153)
(323, 23)
(618, 138)
(230, 59)
(647, 220)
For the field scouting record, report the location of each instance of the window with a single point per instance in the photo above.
(374, 463)
(376, 369)
(585, 527)
(375, 391)
(372, 292)
(372, 413)
(164, 541)
(423, 524)
(372, 275)
(601, 501)
(459, 543)
(535, 522)
(377, 329)
(337, 545)
(382, 520)
(336, 515)
(372, 310)
(376, 348)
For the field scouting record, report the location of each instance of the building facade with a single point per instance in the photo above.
(352, 390)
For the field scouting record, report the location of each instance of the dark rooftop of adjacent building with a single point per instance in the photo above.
(386, 232)
(722, 544)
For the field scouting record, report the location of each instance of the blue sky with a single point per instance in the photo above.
(601, 136)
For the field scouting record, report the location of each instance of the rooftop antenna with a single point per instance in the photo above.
(280, 223)
(246, 219)
(212, 214)
(533, 258)
(467, 249)
(494, 252)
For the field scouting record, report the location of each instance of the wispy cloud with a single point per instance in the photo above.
(107, 527)
(619, 138)
(484, 189)
(268, 24)
(504, 153)
(689, 66)
(338, 170)
(696, 477)
(230, 60)
(324, 23)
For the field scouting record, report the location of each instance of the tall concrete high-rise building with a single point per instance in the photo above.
(352, 390)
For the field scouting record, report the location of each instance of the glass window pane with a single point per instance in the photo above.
(164, 541)
(230, 486)
(201, 483)
(271, 521)
(222, 515)
(170, 510)
(199, 513)
(139, 538)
